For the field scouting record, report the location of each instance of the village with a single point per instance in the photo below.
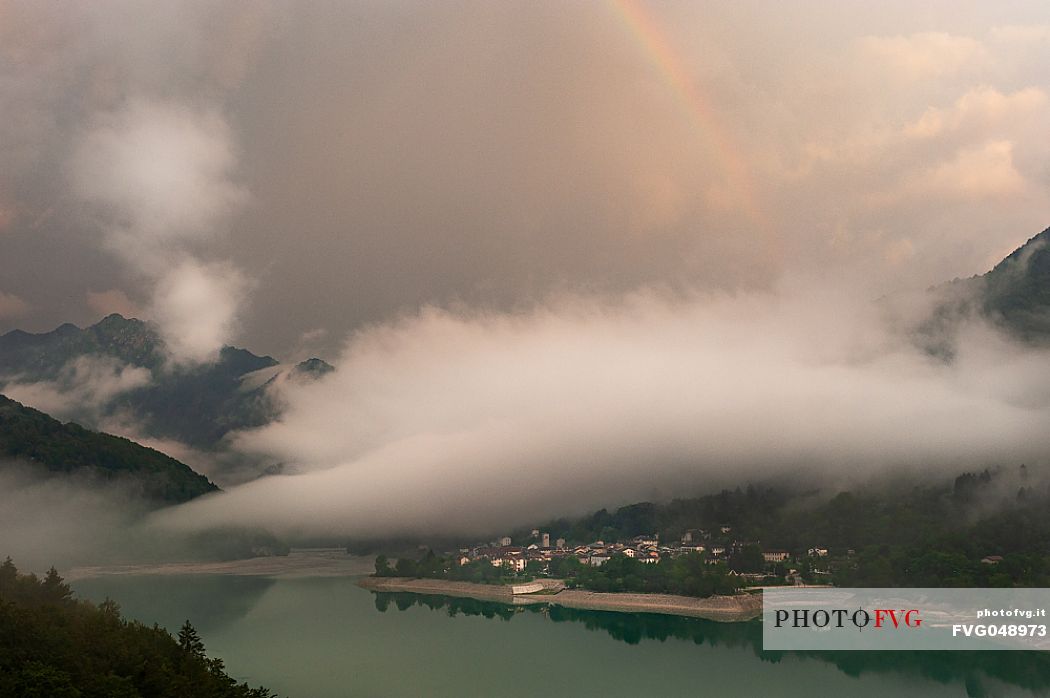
(534, 555)
(743, 539)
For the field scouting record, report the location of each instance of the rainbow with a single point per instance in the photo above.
(658, 49)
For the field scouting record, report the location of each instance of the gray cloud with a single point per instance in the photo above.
(118, 127)
(160, 177)
(12, 306)
(161, 173)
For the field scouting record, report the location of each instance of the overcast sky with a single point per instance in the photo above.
(582, 253)
(301, 170)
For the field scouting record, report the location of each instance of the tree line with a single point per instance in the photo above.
(53, 645)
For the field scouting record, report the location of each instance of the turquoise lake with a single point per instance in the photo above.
(325, 637)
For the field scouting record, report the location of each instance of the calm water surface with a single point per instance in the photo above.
(326, 637)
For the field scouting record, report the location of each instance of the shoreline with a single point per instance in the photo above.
(298, 563)
(724, 609)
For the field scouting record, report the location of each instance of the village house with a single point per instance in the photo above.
(512, 561)
(485, 553)
(775, 555)
(598, 559)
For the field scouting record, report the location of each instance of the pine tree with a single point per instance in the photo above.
(190, 641)
(8, 575)
(110, 609)
(55, 588)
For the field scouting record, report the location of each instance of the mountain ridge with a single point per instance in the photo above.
(1016, 293)
(44, 443)
(196, 405)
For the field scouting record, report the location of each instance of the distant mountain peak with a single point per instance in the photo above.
(1016, 292)
(1014, 296)
(1033, 245)
(115, 321)
(195, 404)
(314, 367)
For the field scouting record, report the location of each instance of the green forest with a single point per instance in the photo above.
(898, 533)
(33, 437)
(53, 645)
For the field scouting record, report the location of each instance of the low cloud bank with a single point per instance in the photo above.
(64, 521)
(82, 389)
(457, 421)
(84, 519)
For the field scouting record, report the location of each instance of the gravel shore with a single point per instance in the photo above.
(300, 562)
(728, 609)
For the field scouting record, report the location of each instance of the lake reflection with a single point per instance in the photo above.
(1025, 670)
